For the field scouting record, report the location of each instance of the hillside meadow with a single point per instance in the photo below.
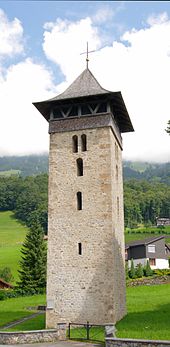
(12, 235)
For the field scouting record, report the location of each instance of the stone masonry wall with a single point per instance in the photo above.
(91, 286)
(114, 342)
(10, 338)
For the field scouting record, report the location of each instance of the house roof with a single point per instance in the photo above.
(167, 245)
(143, 241)
(84, 87)
(6, 283)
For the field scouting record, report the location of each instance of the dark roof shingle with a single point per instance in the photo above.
(144, 241)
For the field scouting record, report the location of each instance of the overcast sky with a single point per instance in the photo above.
(40, 46)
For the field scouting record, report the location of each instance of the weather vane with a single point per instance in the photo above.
(87, 55)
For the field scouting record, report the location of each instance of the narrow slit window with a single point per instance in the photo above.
(79, 248)
(75, 143)
(117, 173)
(79, 201)
(117, 205)
(79, 167)
(83, 143)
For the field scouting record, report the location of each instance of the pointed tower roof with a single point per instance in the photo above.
(84, 85)
(83, 89)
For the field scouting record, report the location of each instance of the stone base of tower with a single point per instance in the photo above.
(92, 305)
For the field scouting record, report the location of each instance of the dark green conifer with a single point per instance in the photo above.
(32, 273)
(132, 272)
(148, 270)
(127, 270)
(139, 271)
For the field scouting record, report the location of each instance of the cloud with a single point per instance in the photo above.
(103, 14)
(11, 36)
(137, 65)
(157, 19)
(23, 130)
(64, 41)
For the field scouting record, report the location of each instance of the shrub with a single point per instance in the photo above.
(2, 295)
(16, 292)
(6, 274)
(139, 271)
(132, 272)
(161, 272)
(127, 271)
(147, 269)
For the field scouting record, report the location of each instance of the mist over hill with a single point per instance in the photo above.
(27, 165)
(158, 172)
(36, 164)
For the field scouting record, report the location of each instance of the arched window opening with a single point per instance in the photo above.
(79, 201)
(79, 248)
(79, 167)
(83, 143)
(75, 143)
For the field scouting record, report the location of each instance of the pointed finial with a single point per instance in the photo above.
(87, 55)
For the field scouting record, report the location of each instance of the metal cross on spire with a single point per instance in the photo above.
(87, 55)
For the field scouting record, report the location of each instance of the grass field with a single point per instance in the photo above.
(12, 235)
(36, 323)
(148, 314)
(9, 173)
(16, 308)
(142, 233)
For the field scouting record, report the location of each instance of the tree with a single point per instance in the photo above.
(168, 128)
(132, 272)
(126, 270)
(148, 271)
(6, 274)
(139, 271)
(32, 271)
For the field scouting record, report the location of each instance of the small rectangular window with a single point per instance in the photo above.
(79, 200)
(151, 248)
(79, 248)
(79, 167)
(152, 262)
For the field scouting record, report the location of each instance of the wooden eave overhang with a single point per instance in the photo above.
(85, 89)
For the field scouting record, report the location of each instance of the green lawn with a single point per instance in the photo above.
(148, 313)
(133, 237)
(142, 233)
(12, 235)
(36, 323)
(16, 308)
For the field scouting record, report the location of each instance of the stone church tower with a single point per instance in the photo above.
(86, 277)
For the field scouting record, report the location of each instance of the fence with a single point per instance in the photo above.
(87, 331)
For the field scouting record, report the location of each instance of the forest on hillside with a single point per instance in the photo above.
(37, 164)
(27, 197)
